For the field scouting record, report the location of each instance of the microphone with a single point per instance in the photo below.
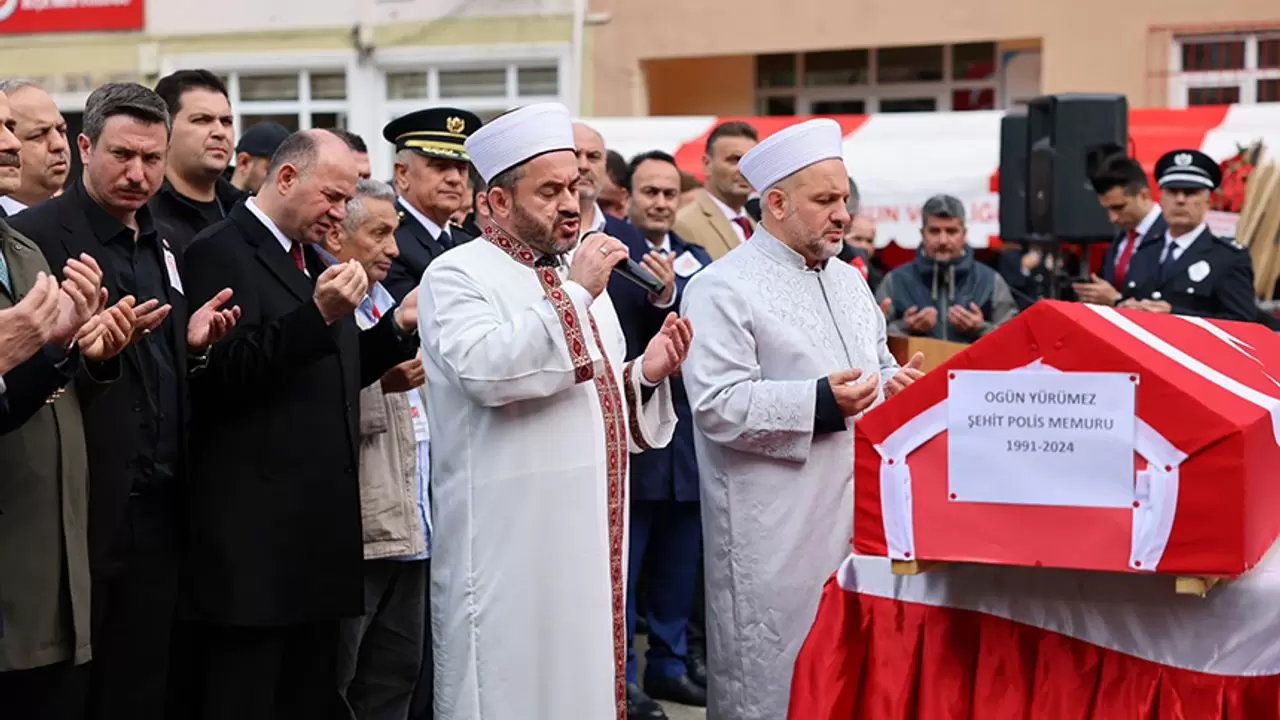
(635, 272)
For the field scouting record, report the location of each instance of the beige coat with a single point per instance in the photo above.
(702, 222)
(388, 476)
(44, 549)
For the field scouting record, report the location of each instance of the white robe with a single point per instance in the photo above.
(777, 501)
(523, 608)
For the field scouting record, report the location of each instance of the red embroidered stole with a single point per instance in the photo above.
(615, 435)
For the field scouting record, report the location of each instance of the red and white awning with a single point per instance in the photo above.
(899, 160)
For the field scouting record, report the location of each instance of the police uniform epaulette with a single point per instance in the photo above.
(1229, 242)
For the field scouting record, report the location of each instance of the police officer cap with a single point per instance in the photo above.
(435, 132)
(1188, 170)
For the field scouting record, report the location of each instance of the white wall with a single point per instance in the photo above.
(199, 17)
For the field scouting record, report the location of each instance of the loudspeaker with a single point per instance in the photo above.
(1013, 178)
(1066, 134)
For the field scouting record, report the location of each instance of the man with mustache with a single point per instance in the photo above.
(431, 180)
(194, 194)
(45, 155)
(533, 413)
(136, 427)
(792, 347)
(275, 559)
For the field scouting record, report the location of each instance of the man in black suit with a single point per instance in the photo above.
(431, 180)
(666, 524)
(276, 544)
(1187, 270)
(134, 428)
(1122, 188)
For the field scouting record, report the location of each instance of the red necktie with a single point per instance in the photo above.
(745, 224)
(1122, 264)
(296, 253)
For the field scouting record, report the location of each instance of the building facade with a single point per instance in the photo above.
(751, 57)
(354, 64)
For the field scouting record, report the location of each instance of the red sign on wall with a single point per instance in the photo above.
(23, 17)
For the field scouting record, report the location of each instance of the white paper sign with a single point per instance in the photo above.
(1039, 438)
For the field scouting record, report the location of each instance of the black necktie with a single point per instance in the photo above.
(1166, 264)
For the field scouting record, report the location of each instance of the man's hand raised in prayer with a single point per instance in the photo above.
(407, 312)
(28, 326)
(594, 259)
(966, 320)
(1096, 292)
(905, 376)
(79, 299)
(404, 377)
(109, 332)
(661, 267)
(920, 322)
(339, 290)
(211, 323)
(853, 395)
(668, 349)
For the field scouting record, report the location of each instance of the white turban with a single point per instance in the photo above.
(789, 151)
(519, 136)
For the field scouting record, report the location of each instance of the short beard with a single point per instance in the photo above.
(536, 234)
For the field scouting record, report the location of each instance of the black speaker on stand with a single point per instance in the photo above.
(1066, 135)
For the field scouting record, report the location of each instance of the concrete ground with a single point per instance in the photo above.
(674, 711)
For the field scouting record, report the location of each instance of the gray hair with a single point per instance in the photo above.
(13, 85)
(943, 207)
(365, 190)
(130, 99)
(855, 199)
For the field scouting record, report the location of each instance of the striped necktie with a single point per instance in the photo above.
(4, 274)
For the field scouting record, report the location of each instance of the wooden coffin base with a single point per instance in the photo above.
(1183, 585)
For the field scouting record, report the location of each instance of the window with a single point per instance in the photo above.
(870, 80)
(1225, 69)
(297, 100)
(480, 89)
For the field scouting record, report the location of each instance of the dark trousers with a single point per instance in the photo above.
(135, 593)
(380, 653)
(424, 696)
(264, 673)
(665, 536)
(53, 692)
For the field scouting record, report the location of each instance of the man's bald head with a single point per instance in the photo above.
(592, 172)
(311, 177)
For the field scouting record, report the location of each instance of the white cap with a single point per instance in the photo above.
(518, 136)
(791, 150)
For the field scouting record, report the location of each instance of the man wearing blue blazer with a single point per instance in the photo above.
(1125, 193)
(666, 524)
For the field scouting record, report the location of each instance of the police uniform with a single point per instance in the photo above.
(1199, 273)
(433, 133)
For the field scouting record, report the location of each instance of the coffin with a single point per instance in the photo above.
(1205, 458)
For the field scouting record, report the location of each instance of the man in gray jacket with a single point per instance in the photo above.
(380, 653)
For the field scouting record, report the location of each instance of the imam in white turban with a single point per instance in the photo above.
(789, 151)
(519, 136)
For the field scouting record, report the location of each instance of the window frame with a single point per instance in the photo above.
(872, 92)
(1182, 82)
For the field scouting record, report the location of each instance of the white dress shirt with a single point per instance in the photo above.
(1138, 233)
(1179, 245)
(731, 216)
(285, 242)
(11, 207)
(427, 222)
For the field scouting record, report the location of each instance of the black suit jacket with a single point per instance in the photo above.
(274, 498)
(61, 229)
(1212, 278)
(418, 247)
(1156, 231)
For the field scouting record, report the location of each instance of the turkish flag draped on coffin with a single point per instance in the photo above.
(1016, 623)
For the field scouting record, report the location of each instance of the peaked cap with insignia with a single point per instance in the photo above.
(1188, 170)
(434, 132)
